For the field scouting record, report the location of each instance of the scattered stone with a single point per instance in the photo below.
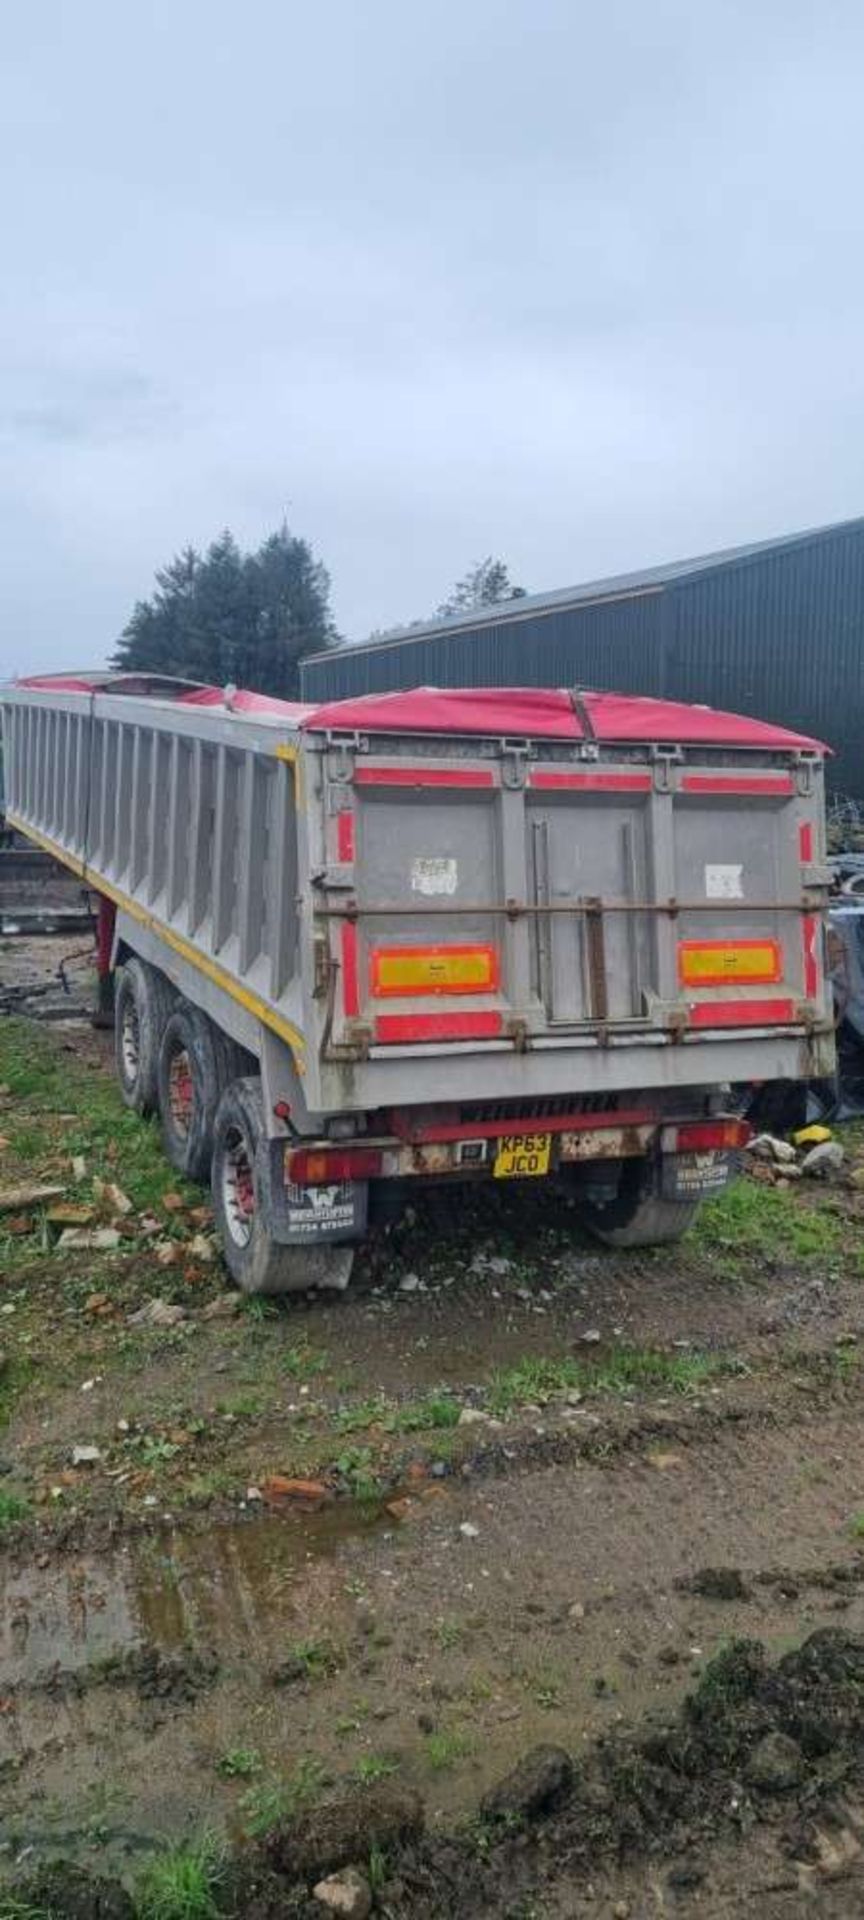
(718, 1583)
(12, 1199)
(591, 1338)
(79, 1166)
(93, 1239)
(97, 1303)
(224, 1307)
(254, 1495)
(278, 1489)
(766, 1146)
(823, 1161)
(67, 1214)
(158, 1313)
(202, 1247)
(409, 1283)
(110, 1198)
(776, 1765)
(345, 1892)
(473, 1417)
(576, 1613)
(468, 1530)
(541, 1778)
(86, 1456)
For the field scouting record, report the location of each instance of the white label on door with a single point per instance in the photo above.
(723, 883)
(433, 875)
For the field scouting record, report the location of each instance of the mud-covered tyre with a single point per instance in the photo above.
(256, 1262)
(197, 1061)
(653, 1223)
(143, 1002)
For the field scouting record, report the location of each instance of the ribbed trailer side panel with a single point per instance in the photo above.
(195, 834)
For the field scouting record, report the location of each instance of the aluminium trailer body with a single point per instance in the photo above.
(436, 936)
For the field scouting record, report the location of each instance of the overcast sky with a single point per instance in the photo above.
(578, 286)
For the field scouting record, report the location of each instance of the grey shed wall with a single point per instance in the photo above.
(775, 630)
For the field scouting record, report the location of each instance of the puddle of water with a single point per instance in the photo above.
(171, 1591)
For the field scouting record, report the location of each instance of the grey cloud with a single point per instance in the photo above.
(581, 288)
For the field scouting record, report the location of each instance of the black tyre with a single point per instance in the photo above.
(196, 1063)
(638, 1216)
(143, 1003)
(256, 1262)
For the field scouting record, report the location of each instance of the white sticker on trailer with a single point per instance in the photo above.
(723, 883)
(434, 875)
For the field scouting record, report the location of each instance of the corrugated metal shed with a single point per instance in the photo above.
(774, 629)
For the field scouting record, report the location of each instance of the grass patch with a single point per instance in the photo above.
(433, 1410)
(622, 1370)
(750, 1218)
(14, 1907)
(239, 1763)
(182, 1884)
(13, 1508)
(303, 1362)
(356, 1466)
(266, 1805)
(374, 1767)
(445, 1750)
(856, 1526)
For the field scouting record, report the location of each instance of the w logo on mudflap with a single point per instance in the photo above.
(336, 1212)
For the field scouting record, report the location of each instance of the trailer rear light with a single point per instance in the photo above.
(703, 1136)
(318, 1166)
(421, 970)
(710, 963)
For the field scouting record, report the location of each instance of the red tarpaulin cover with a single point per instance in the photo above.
(534, 713)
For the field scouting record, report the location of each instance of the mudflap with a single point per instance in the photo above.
(304, 1216)
(695, 1176)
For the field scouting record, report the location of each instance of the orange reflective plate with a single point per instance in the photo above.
(710, 963)
(408, 970)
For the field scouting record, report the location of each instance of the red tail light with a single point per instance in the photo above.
(700, 1136)
(317, 1166)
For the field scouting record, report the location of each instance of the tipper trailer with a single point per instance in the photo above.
(435, 937)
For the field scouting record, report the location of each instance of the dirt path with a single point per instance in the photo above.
(549, 1485)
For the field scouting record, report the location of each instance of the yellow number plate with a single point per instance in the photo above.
(521, 1155)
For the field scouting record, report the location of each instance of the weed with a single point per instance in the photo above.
(13, 1507)
(434, 1410)
(14, 1908)
(356, 1469)
(856, 1526)
(622, 1370)
(316, 1659)
(449, 1634)
(239, 1763)
(443, 1750)
(182, 1884)
(372, 1768)
(265, 1805)
(257, 1308)
(242, 1406)
(752, 1219)
(303, 1362)
(376, 1868)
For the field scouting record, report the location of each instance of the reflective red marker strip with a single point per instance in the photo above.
(743, 1013)
(593, 782)
(345, 837)
(423, 777)
(395, 1027)
(772, 783)
(810, 923)
(350, 982)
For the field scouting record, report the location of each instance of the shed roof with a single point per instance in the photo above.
(620, 586)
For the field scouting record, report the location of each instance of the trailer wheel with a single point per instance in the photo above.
(256, 1262)
(196, 1063)
(143, 1003)
(638, 1216)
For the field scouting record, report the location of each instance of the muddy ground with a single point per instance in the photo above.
(546, 1485)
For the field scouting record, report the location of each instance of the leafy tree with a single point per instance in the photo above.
(482, 586)
(232, 617)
